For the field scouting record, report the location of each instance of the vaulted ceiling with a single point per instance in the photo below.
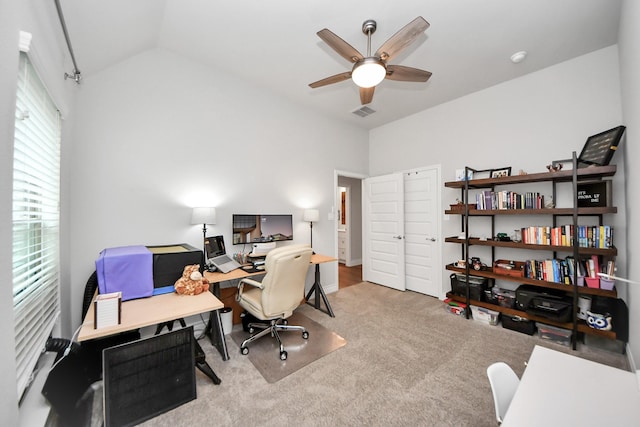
(272, 44)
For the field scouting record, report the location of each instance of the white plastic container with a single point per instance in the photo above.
(485, 315)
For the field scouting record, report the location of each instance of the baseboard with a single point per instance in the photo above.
(632, 364)
(329, 289)
(353, 263)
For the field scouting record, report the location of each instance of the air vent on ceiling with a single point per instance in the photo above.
(363, 111)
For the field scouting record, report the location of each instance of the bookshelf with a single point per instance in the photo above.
(468, 210)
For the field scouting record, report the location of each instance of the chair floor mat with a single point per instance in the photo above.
(264, 353)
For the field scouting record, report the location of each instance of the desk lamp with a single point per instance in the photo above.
(203, 216)
(311, 216)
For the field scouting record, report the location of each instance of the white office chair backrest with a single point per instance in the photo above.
(504, 383)
(286, 270)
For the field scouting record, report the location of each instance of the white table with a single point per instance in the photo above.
(559, 389)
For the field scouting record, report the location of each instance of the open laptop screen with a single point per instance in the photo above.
(214, 246)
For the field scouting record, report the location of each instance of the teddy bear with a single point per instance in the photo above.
(191, 282)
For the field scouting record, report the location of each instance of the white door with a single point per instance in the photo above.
(421, 230)
(383, 224)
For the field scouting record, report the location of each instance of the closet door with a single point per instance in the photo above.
(422, 231)
(383, 234)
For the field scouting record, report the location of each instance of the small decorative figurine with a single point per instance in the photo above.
(599, 321)
(554, 168)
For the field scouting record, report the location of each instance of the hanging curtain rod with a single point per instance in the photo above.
(76, 72)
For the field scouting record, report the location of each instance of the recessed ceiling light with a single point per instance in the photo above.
(518, 57)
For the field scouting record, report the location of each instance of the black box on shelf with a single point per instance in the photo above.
(477, 286)
(594, 194)
(517, 323)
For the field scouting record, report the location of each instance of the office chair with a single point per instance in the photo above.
(280, 292)
(504, 383)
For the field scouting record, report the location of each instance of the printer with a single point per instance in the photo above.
(545, 303)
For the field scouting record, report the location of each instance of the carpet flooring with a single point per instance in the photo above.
(407, 363)
(264, 353)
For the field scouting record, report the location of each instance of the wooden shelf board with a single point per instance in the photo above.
(489, 274)
(475, 241)
(562, 176)
(555, 211)
(582, 326)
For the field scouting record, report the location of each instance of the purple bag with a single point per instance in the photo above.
(126, 269)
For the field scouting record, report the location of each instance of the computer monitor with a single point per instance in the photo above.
(262, 228)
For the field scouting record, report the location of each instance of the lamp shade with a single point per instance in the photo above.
(368, 73)
(311, 215)
(203, 216)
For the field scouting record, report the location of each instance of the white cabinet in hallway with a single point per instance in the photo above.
(342, 246)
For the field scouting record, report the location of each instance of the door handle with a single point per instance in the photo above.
(397, 237)
(433, 239)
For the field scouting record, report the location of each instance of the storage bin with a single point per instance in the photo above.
(490, 297)
(519, 324)
(509, 268)
(485, 315)
(592, 282)
(554, 334)
(455, 307)
(505, 297)
(607, 284)
(477, 285)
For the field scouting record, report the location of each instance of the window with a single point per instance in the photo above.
(36, 212)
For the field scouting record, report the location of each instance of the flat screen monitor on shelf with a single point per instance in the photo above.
(262, 228)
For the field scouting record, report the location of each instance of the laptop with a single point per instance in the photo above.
(217, 255)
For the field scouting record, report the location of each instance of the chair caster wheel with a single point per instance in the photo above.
(251, 330)
(244, 350)
(305, 335)
(283, 355)
(285, 322)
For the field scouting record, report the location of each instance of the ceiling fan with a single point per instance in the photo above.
(369, 71)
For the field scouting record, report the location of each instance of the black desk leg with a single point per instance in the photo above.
(215, 332)
(319, 292)
(200, 357)
(202, 364)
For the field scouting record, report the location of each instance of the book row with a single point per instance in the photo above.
(493, 200)
(596, 236)
(562, 270)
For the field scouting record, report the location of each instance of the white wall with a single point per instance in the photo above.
(524, 123)
(629, 45)
(159, 134)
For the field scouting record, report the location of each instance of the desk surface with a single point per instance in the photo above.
(559, 389)
(142, 312)
(239, 273)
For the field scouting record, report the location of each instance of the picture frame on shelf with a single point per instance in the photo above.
(599, 148)
(460, 175)
(500, 173)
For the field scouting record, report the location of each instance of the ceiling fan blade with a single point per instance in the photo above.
(330, 80)
(402, 39)
(407, 74)
(345, 50)
(366, 94)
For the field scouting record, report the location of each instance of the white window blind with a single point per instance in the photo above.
(36, 212)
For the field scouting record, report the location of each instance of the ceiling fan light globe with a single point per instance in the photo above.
(369, 72)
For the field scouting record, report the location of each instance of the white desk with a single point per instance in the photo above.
(559, 389)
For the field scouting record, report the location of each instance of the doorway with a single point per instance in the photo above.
(348, 219)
